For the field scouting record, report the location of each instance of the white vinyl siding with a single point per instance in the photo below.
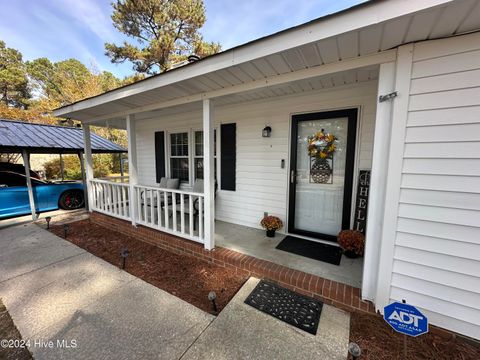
(436, 263)
(262, 185)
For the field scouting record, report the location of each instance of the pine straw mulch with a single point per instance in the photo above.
(379, 341)
(8, 331)
(184, 276)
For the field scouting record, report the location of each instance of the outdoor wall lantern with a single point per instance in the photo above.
(267, 131)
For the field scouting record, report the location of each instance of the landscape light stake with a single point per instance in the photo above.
(47, 219)
(212, 297)
(124, 253)
(65, 230)
(354, 350)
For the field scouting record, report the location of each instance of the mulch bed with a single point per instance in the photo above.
(186, 277)
(379, 341)
(8, 331)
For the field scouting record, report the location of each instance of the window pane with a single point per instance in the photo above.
(179, 144)
(199, 168)
(179, 168)
(199, 142)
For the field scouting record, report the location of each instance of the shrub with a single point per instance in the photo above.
(102, 165)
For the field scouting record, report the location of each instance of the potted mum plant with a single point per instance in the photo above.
(352, 243)
(271, 224)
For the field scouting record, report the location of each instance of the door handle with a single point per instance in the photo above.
(292, 176)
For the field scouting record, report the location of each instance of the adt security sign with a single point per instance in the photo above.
(405, 319)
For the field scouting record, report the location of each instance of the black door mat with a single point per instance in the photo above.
(311, 249)
(300, 311)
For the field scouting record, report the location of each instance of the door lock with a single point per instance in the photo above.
(292, 176)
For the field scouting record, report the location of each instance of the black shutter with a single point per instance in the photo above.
(160, 154)
(228, 152)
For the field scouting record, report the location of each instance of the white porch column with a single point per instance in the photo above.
(208, 174)
(26, 163)
(84, 178)
(376, 202)
(394, 171)
(87, 145)
(132, 165)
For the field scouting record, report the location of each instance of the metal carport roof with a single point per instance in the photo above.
(16, 136)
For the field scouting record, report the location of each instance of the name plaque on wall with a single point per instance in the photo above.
(361, 203)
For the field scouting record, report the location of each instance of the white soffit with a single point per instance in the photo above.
(366, 29)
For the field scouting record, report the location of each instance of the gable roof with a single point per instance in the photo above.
(41, 138)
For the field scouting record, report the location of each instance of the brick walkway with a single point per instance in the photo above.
(330, 292)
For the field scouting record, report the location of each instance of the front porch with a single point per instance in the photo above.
(156, 210)
(253, 242)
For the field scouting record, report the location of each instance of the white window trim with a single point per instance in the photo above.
(191, 153)
(189, 157)
(216, 141)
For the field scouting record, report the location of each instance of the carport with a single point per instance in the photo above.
(26, 138)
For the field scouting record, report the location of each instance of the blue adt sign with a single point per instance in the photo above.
(405, 319)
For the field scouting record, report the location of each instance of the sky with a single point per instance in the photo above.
(62, 29)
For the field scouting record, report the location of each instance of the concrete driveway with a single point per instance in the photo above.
(90, 309)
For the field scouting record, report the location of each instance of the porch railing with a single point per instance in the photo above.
(177, 212)
(111, 198)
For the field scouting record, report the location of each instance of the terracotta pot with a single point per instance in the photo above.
(351, 254)
(270, 233)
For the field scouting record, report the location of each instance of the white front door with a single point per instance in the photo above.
(322, 158)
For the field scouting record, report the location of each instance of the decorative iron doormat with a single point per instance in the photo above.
(295, 309)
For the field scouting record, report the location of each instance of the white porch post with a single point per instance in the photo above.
(376, 206)
(132, 166)
(26, 163)
(208, 174)
(84, 178)
(87, 145)
(394, 178)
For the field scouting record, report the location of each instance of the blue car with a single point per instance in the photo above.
(48, 196)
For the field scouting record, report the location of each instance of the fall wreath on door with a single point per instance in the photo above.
(321, 147)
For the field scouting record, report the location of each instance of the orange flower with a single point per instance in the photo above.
(271, 223)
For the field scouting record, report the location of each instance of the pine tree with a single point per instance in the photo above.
(165, 32)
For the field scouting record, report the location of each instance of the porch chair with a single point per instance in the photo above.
(165, 183)
(198, 187)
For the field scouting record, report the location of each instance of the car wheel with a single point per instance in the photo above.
(71, 200)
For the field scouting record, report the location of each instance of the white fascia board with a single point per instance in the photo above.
(353, 19)
(339, 66)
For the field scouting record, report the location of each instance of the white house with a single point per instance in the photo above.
(397, 82)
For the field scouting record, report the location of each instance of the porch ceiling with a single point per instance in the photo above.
(363, 30)
(369, 73)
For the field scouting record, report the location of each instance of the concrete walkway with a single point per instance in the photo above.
(56, 291)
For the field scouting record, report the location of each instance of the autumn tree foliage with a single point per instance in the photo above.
(14, 90)
(164, 32)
